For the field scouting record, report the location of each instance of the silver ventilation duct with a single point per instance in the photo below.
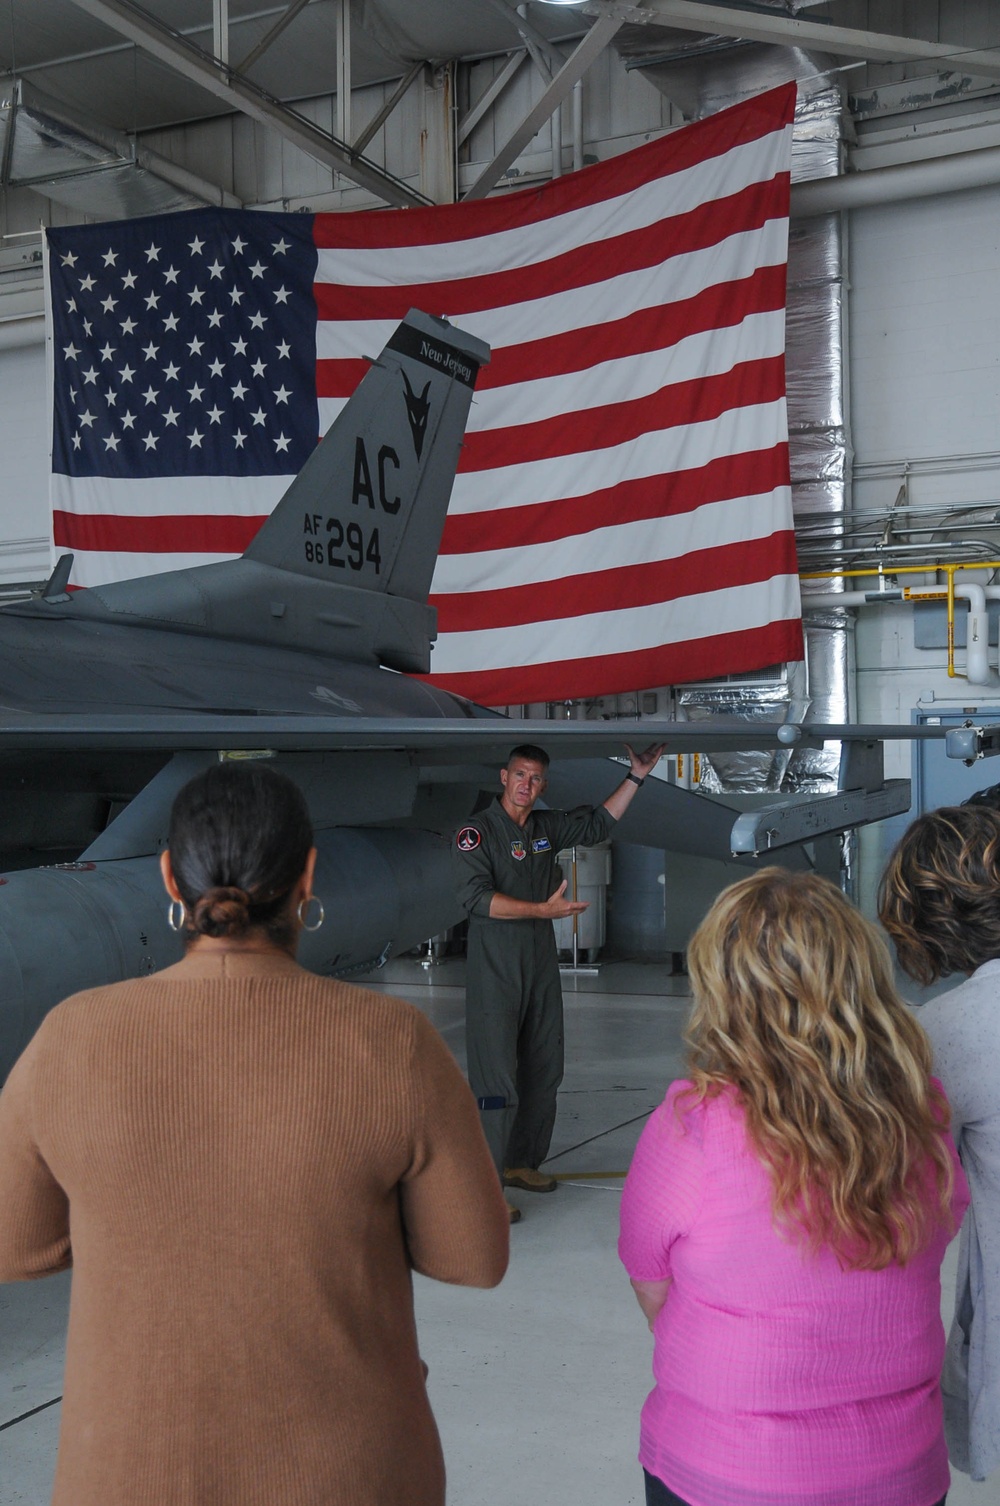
(89, 168)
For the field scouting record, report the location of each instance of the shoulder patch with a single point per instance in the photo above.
(468, 839)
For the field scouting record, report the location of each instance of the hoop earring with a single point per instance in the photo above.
(175, 921)
(304, 905)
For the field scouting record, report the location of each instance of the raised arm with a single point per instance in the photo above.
(640, 764)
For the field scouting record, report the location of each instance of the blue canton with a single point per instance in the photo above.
(184, 345)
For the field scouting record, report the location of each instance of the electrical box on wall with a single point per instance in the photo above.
(930, 623)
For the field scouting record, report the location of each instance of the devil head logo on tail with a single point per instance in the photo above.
(417, 409)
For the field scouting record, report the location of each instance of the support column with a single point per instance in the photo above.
(343, 130)
(437, 135)
(220, 30)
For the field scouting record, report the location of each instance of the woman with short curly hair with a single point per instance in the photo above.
(940, 902)
(785, 1217)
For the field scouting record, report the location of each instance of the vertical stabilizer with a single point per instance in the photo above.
(368, 507)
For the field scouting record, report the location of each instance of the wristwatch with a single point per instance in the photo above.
(636, 780)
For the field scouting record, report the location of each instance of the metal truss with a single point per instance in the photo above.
(225, 83)
(793, 31)
(571, 71)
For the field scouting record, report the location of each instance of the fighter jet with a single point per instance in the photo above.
(304, 650)
(108, 694)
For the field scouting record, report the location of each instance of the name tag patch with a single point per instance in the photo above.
(518, 850)
(541, 844)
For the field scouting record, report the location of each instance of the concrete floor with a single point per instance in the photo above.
(536, 1386)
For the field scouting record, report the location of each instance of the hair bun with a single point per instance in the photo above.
(224, 911)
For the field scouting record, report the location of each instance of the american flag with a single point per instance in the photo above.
(622, 513)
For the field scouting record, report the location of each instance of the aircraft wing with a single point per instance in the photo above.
(66, 778)
(445, 740)
(668, 816)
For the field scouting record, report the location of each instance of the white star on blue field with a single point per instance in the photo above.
(184, 345)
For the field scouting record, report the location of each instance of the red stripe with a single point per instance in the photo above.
(336, 378)
(624, 586)
(719, 307)
(658, 328)
(671, 407)
(747, 475)
(615, 674)
(592, 262)
(674, 152)
(197, 534)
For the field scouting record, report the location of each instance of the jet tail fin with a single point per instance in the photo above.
(368, 507)
(344, 563)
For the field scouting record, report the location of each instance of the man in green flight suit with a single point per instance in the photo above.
(514, 1019)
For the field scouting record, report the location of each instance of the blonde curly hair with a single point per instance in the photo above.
(795, 1007)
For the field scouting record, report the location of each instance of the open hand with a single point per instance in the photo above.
(643, 762)
(557, 906)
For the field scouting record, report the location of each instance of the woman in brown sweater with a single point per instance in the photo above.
(243, 1163)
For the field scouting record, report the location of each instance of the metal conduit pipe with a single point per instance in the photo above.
(891, 185)
(22, 329)
(977, 666)
(827, 599)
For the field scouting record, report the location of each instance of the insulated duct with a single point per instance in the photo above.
(700, 76)
(955, 172)
(88, 167)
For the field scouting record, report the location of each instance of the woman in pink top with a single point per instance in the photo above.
(785, 1218)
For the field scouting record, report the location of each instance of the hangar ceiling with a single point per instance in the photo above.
(121, 69)
(80, 59)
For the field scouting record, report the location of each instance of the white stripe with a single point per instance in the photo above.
(99, 569)
(710, 353)
(714, 525)
(539, 241)
(166, 496)
(330, 409)
(616, 296)
(657, 453)
(613, 294)
(707, 613)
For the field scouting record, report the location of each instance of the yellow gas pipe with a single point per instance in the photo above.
(928, 595)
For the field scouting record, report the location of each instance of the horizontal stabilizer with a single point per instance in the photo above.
(663, 815)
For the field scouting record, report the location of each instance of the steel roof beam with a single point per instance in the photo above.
(378, 121)
(114, 48)
(846, 41)
(575, 66)
(272, 35)
(548, 59)
(131, 21)
(468, 123)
